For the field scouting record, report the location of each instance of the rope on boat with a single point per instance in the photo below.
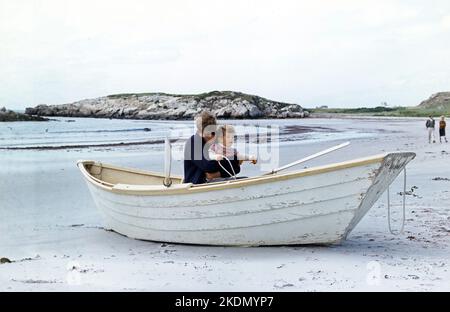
(403, 207)
(167, 182)
(231, 166)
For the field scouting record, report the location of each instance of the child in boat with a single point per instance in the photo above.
(442, 125)
(223, 146)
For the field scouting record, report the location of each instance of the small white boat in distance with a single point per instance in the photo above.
(319, 205)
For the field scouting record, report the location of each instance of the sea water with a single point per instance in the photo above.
(63, 133)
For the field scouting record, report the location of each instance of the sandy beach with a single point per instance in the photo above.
(53, 235)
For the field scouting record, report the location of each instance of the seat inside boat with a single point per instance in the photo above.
(113, 175)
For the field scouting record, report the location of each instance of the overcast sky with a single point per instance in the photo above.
(338, 53)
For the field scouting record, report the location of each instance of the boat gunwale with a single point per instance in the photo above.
(191, 188)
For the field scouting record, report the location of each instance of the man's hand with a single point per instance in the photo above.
(213, 175)
(214, 156)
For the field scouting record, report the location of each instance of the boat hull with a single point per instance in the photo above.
(315, 206)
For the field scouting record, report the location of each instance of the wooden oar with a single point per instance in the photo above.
(297, 162)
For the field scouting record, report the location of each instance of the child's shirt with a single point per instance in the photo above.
(219, 149)
(229, 152)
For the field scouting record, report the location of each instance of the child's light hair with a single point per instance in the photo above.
(223, 130)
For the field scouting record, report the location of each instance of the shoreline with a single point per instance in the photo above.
(361, 117)
(80, 146)
(288, 129)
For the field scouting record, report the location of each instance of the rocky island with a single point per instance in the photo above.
(9, 115)
(224, 104)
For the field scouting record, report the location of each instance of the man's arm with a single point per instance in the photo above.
(209, 166)
(214, 175)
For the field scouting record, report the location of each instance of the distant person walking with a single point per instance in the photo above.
(430, 127)
(442, 125)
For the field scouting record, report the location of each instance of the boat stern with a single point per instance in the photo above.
(391, 166)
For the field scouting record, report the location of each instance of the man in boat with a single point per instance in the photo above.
(198, 167)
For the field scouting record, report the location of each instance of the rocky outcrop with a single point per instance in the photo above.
(224, 104)
(438, 101)
(9, 115)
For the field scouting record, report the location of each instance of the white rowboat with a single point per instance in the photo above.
(319, 205)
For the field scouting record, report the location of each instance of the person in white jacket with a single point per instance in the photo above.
(430, 128)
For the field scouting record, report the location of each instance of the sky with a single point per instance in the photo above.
(339, 53)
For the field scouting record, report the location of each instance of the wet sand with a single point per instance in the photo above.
(54, 237)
